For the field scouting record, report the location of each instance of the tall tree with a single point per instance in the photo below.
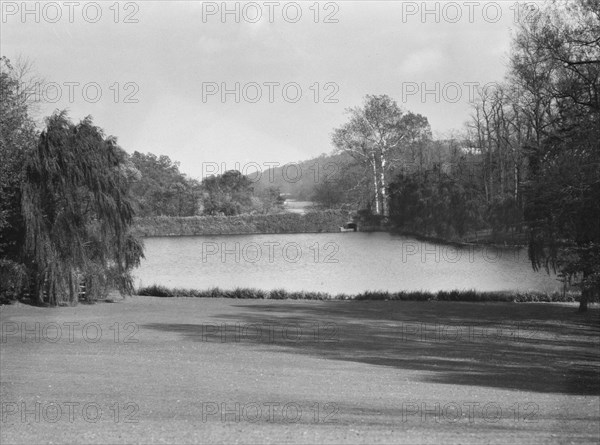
(161, 189)
(77, 212)
(17, 136)
(377, 135)
(499, 134)
(227, 194)
(562, 47)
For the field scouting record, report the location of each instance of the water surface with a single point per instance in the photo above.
(334, 263)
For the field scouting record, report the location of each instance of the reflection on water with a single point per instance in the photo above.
(334, 263)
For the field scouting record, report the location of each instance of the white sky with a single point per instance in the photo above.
(176, 50)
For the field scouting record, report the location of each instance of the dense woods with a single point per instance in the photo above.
(526, 168)
(161, 189)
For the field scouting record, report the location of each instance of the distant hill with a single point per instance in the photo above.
(298, 180)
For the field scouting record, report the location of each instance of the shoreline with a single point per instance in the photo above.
(424, 296)
(392, 231)
(319, 221)
(235, 234)
(455, 243)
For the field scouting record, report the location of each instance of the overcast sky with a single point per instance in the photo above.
(175, 60)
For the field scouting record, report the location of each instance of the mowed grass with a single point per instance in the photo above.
(194, 370)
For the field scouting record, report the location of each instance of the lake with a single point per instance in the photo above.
(335, 263)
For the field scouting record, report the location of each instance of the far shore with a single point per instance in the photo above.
(326, 221)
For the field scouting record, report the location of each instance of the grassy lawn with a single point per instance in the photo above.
(182, 370)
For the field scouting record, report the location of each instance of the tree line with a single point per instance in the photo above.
(528, 162)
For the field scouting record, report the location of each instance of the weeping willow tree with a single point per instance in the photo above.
(77, 213)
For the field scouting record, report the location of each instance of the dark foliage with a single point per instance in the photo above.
(77, 212)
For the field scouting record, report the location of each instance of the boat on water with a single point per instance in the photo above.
(349, 227)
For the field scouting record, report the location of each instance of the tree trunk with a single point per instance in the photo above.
(384, 198)
(39, 288)
(583, 301)
(376, 186)
(516, 183)
(73, 289)
(585, 296)
(52, 294)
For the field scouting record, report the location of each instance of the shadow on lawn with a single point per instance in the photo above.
(530, 347)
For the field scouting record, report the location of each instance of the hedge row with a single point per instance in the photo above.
(311, 222)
